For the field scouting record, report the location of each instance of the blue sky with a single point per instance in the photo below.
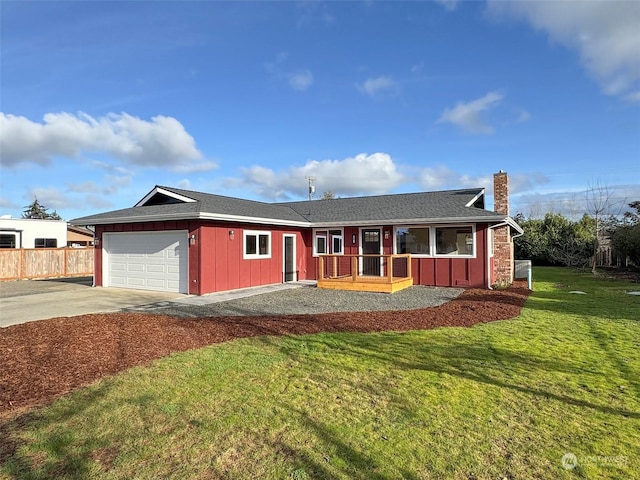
(100, 102)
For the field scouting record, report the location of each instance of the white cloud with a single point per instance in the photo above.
(468, 116)
(523, 116)
(442, 177)
(51, 198)
(161, 142)
(110, 186)
(311, 12)
(358, 175)
(299, 80)
(373, 86)
(417, 68)
(7, 203)
(605, 34)
(185, 184)
(84, 187)
(449, 5)
(120, 170)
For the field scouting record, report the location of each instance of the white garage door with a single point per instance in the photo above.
(147, 261)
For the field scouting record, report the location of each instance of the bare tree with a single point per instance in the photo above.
(600, 203)
(573, 207)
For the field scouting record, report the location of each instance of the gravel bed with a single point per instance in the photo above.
(310, 300)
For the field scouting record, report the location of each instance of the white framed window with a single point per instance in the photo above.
(435, 240)
(321, 245)
(257, 244)
(337, 244)
(327, 241)
(458, 241)
(413, 240)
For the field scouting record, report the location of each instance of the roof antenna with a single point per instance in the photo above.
(312, 187)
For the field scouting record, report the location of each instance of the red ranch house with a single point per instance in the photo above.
(198, 243)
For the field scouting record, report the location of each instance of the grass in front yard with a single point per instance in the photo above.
(506, 399)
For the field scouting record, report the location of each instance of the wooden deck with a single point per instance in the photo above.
(348, 272)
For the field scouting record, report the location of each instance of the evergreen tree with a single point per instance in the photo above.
(625, 238)
(38, 211)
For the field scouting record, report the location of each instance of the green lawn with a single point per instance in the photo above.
(502, 400)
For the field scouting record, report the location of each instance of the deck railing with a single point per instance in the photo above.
(376, 273)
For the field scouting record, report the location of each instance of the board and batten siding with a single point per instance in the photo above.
(215, 256)
(428, 271)
(224, 268)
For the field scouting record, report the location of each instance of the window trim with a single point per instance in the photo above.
(473, 254)
(432, 240)
(326, 234)
(315, 244)
(333, 239)
(415, 255)
(257, 234)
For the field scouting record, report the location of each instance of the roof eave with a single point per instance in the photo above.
(293, 223)
(188, 216)
(410, 221)
(257, 220)
(475, 199)
(163, 191)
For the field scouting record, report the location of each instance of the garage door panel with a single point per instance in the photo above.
(150, 261)
(159, 284)
(118, 281)
(158, 269)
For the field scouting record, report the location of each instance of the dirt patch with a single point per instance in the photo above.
(46, 359)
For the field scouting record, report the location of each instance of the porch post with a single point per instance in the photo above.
(320, 268)
(390, 268)
(354, 267)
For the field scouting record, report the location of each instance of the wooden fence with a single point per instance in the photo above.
(26, 263)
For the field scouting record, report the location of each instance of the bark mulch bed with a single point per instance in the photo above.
(40, 361)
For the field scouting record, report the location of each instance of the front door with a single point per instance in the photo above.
(371, 246)
(289, 258)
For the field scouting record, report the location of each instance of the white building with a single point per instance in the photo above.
(31, 233)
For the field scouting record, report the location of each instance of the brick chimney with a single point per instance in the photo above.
(501, 192)
(502, 243)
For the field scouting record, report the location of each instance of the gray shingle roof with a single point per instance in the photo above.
(449, 205)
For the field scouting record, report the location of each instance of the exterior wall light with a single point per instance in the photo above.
(192, 239)
(353, 238)
(231, 234)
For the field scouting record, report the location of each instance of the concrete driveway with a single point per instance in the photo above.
(28, 300)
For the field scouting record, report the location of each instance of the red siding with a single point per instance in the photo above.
(454, 272)
(216, 263)
(222, 266)
(442, 272)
